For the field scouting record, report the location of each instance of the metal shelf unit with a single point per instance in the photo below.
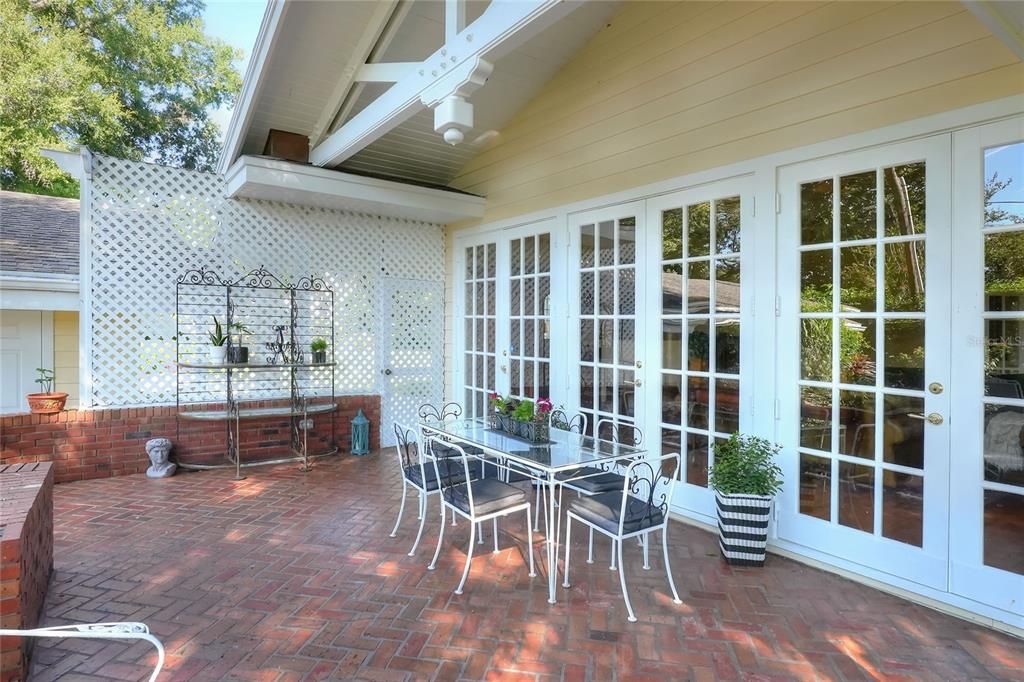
(280, 320)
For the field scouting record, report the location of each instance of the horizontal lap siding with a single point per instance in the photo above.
(65, 355)
(671, 89)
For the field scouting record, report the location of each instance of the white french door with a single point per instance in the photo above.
(697, 282)
(864, 357)
(606, 340)
(987, 502)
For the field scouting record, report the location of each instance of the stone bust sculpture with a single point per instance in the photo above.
(158, 450)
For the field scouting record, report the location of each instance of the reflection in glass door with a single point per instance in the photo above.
(530, 317)
(987, 540)
(609, 307)
(479, 326)
(866, 247)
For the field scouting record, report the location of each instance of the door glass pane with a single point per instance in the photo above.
(816, 281)
(1004, 271)
(606, 243)
(857, 207)
(816, 349)
(816, 212)
(903, 433)
(904, 276)
(816, 418)
(672, 234)
(697, 402)
(698, 233)
(671, 399)
(479, 326)
(627, 241)
(529, 256)
(671, 345)
(672, 290)
(627, 291)
(904, 353)
(905, 199)
(698, 345)
(727, 225)
(856, 351)
(1004, 531)
(727, 406)
(698, 287)
(1004, 445)
(727, 285)
(587, 246)
(697, 459)
(857, 423)
(587, 340)
(857, 276)
(902, 507)
(587, 293)
(727, 346)
(816, 486)
(857, 496)
(627, 342)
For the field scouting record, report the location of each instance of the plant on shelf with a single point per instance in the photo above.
(319, 349)
(47, 401)
(746, 479)
(237, 353)
(218, 343)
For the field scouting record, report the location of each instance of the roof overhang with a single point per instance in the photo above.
(38, 291)
(263, 178)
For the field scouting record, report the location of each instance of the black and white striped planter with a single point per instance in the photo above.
(743, 528)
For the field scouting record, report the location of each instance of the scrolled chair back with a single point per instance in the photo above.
(429, 412)
(560, 420)
(452, 470)
(647, 491)
(624, 433)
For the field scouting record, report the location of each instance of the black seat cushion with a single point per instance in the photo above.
(457, 475)
(489, 495)
(603, 511)
(442, 450)
(598, 482)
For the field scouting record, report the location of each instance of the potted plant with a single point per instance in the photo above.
(531, 419)
(48, 401)
(319, 348)
(237, 353)
(500, 415)
(746, 479)
(218, 341)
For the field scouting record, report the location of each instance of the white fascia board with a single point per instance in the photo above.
(1003, 27)
(385, 72)
(275, 180)
(38, 291)
(458, 67)
(251, 84)
(69, 162)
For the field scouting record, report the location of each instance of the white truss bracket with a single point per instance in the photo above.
(391, 72)
(459, 67)
(454, 19)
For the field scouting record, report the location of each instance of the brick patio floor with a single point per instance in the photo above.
(293, 576)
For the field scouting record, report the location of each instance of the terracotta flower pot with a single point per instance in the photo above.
(46, 403)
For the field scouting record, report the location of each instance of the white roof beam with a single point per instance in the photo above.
(390, 72)
(457, 68)
(348, 77)
(454, 19)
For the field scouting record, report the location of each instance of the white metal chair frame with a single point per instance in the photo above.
(404, 449)
(606, 467)
(447, 484)
(134, 631)
(643, 488)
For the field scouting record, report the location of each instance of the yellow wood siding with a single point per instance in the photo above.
(668, 89)
(65, 354)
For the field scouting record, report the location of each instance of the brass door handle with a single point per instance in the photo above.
(935, 418)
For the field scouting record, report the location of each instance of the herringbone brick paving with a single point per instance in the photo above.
(291, 576)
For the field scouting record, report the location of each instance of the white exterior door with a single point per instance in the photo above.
(606, 338)
(987, 528)
(864, 358)
(411, 350)
(699, 304)
(26, 343)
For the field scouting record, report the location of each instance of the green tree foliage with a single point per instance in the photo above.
(136, 79)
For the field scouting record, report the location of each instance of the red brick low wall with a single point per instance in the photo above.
(85, 444)
(26, 558)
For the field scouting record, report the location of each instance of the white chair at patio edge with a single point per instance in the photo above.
(478, 501)
(638, 510)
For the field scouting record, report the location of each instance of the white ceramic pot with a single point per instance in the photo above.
(218, 354)
(743, 528)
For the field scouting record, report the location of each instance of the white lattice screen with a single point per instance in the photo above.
(149, 224)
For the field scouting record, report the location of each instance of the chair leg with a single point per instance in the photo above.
(529, 542)
(401, 508)
(568, 543)
(646, 545)
(495, 528)
(614, 553)
(469, 557)
(590, 547)
(440, 537)
(420, 514)
(536, 509)
(423, 521)
(668, 567)
(622, 581)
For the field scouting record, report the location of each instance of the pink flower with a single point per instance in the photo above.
(544, 405)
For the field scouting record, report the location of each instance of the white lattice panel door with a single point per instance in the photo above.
(412, 350)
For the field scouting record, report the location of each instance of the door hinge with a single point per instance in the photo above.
(778, 203)
(753, 206)
(778, 409)
(778, 306)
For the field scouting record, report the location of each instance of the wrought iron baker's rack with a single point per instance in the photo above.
(280, 318)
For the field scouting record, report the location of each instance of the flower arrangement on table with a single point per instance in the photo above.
(524, 418)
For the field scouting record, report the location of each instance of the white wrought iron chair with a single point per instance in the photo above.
(477, 500)
(602, 478)
(418, 473)
(638, 509)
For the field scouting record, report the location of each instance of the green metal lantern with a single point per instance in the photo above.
(360, 434)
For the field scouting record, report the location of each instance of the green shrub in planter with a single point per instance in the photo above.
(746, 479)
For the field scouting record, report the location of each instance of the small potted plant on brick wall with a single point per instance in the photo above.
(319, 350)
(218, 344)
(746, 479)
(48, 401)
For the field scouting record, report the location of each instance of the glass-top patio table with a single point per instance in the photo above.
(564, 451)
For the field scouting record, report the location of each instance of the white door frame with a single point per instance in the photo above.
(926, 565)
(969, 576)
